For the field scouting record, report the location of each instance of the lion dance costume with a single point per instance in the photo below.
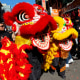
(61, 44)
(22, 60)
(38, 40)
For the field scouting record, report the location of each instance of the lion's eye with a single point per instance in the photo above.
(22, 16)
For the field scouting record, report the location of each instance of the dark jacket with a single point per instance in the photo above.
(3, 34)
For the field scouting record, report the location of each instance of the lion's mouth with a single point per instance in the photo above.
(42, 42)
(66, 45)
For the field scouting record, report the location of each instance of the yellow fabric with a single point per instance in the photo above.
(61, 36)
(8, 43)
(56, 35)
(10, 67)
(60, 22)
(19, 40)
(50, 56)
(1, 62)
(9, 59)
(6, 52)
(22, 66)
(21, 74)
(4, 76)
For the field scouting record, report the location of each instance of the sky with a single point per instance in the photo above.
(12, 3)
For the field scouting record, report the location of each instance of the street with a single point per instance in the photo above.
(72, 73)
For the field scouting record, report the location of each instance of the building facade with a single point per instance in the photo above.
(0, 11)
(4, 8)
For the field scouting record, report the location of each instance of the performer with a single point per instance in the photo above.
(61, 44)
(4, 33)
(64, 38)
(32, 27)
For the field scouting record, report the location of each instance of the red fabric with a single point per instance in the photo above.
(17, 59)
(39, 26)
(10, 17)
(58, 54)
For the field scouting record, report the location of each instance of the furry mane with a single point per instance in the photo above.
(9, 17)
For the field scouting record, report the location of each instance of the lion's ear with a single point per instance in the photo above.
(8, 18)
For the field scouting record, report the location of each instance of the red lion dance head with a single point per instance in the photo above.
(30, 22)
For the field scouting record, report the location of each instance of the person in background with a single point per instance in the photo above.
(4, 33)
(13, 35)
(69, 60)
